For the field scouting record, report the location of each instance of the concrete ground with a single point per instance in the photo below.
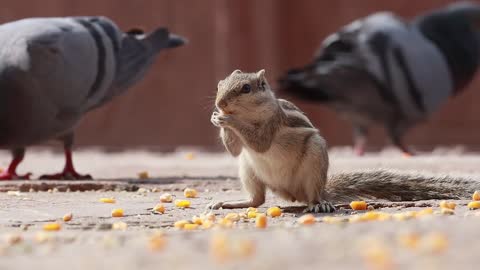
(89, 242)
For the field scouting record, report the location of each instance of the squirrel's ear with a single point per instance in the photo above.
(236, 71)
(261, 74)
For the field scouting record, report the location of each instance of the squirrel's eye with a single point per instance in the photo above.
(246, 88)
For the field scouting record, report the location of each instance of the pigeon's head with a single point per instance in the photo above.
(244, 93)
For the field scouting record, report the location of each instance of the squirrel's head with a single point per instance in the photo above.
(241, 93)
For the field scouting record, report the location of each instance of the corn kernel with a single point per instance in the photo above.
(410, 240)
(159, 208)
(117, 212)
(232, 217)
(219, 247)
(157, 242)
(207, 224)
(190, 193)
(436, 242)
(378, 256)
(358, 205)
(182, 203)
(190, 227)
(251, 214)
(190, 156)
(67, 217)
(261, 221)
(246, 248)
(447, 211)
(225, 223)
(143, 175)
(209, 217)
(274, 211)
(424, 212)
(252, 209)
(448, 205)
(473, 205)
(197, 220)
(14, 239)
(332, 220)
(307, 219)
(52, 227)
(180, 224)
(476, 196)
(121, 226)
(107, 200)
(166, 198)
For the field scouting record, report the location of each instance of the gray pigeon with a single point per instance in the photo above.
(55, 70)
(385, 70)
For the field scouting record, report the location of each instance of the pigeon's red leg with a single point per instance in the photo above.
(360, 140)
(11, 172)
(69, 172)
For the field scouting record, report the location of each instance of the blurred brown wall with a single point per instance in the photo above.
(172, 105)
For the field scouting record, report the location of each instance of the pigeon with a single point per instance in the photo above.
(386, 70)
(55, 70)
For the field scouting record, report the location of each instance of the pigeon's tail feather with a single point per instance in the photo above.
(298, 84)
(162, 38)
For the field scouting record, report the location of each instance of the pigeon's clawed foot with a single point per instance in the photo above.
(13, 176)
(66, 175)
(321, 207)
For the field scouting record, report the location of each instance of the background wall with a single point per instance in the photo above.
(172, 105)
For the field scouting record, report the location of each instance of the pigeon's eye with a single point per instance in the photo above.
(246, 88)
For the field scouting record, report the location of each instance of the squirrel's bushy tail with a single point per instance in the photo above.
(396, 186)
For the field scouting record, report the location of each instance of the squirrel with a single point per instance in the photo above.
(279, 148)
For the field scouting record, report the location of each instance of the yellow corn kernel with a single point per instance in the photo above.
(143, 175)
(252, 209)
(476, 196)
(261, 221)
(377, 256)
(251, 214)
(448, 205)
(332, 220)
(182, 203)
(159, 208)
(232, 217)
(67, 217)
(117, 212)
(410, 240)
(372, 215)
(190, 227)
(403, 216)
(307, 219)
(14, 239)
(246, 248)
(157, 242)
(209, 216)
(473, 205)
(447, 211)
(424, 212)
(384, 216)
(219, 247)
(190, 156)
(190, 193)
(166, 198)
(358, 205)
(197, 220)
(225, 223)
(121, 226)
(107, 200)
(207, 224)
(436, 242)
(52, 227)
(274, 211)
(180, 224)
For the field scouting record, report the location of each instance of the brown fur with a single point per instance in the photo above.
(279, 149)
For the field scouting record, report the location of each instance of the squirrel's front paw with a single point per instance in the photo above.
(220, 120)
(215, 205)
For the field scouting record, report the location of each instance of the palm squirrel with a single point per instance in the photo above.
(280, 149)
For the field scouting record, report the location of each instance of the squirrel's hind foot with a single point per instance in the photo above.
(321, 207)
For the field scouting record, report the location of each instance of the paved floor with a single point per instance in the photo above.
(89, 242)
